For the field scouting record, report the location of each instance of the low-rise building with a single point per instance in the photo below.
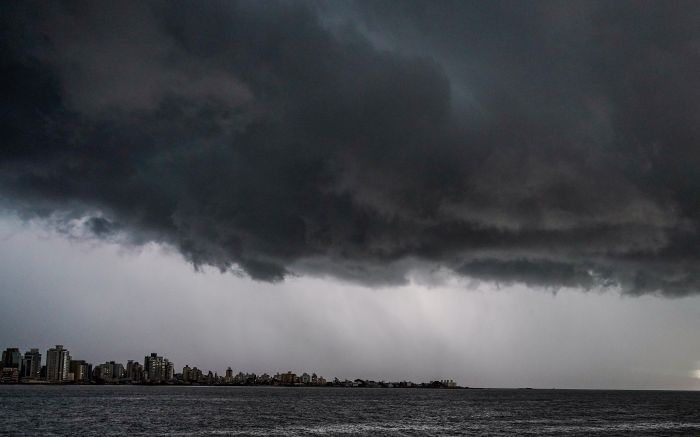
(81, 371)
(9, 375)
(288, 378)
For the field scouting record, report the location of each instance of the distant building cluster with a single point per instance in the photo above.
(61, 368)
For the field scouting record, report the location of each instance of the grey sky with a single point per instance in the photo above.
(386, 186)
(104, 302)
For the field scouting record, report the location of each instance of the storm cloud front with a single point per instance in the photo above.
(553, 144)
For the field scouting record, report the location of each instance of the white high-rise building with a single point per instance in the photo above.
(57, 364)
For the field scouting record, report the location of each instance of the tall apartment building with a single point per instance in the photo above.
(187, 373)
(57, 364)
(169, 370)
(11, 358)
(134, 371)
(31, 364)
(157, 369)
(118, 370)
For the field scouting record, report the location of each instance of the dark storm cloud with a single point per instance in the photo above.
(550, 143)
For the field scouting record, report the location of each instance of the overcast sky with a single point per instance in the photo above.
(504, 193)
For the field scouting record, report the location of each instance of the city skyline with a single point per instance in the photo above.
(61, 368)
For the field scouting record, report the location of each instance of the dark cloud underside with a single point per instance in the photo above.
(549, 143)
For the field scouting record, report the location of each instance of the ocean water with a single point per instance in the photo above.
(173, 410)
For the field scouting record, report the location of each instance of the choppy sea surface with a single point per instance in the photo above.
(178, 410)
